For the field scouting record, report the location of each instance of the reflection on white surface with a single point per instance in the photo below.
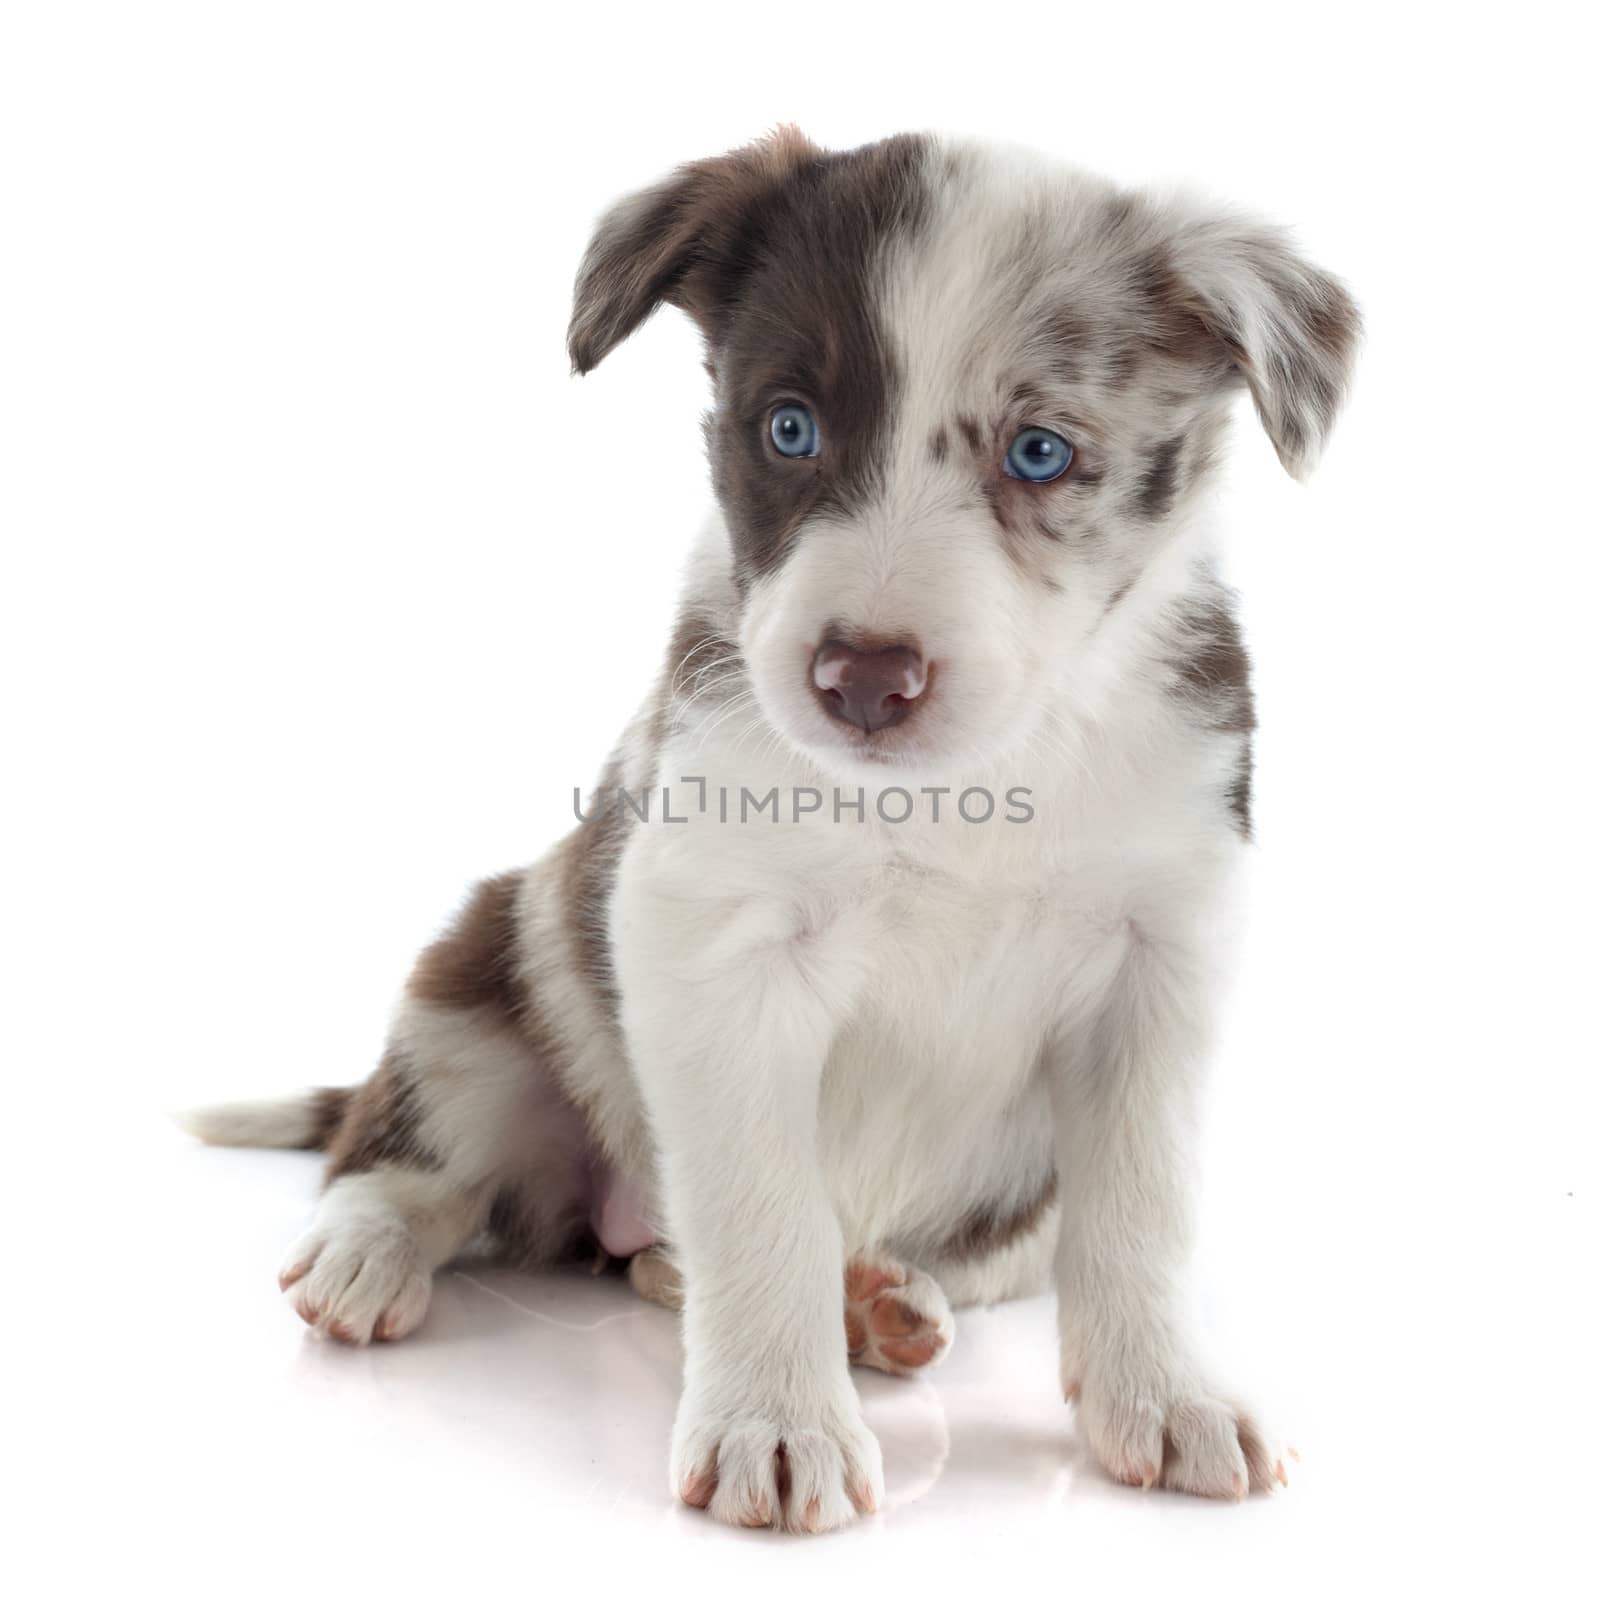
(177, 1419)
(601, 1367)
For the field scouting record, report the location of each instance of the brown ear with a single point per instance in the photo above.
(1290, 329)
(676, 243)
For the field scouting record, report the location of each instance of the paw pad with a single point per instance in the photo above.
(895, 1318)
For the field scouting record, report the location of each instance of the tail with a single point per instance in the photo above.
(303, 1122)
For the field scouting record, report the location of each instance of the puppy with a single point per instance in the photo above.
(877, 978)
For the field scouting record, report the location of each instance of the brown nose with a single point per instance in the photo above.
(873, 689)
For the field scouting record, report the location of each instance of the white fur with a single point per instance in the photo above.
(835, 1035)
(835, 1027)
(364, 1269)
(272, 1124)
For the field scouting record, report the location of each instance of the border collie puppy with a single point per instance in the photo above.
(878, 978)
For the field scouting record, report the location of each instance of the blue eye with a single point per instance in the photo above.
(794, 431)
(1037, 455)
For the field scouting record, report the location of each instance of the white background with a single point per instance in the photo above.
(324, 583)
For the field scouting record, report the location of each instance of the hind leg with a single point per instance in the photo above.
(364, 1268)
(461, 1126)
(655, 1277)
(896, 1317)
(421, 1162)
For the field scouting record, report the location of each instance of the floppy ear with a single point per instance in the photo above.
(1289, 328)
(677, 242)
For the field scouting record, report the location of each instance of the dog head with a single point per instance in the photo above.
(963, 399)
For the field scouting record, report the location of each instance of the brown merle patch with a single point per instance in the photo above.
(589, 858)
(672, 244)
(801, 324)
(703, 664)
(478, 965)
(1238, 792)
(1158, 484)
(328, 1108)
(1286, 328)
(1214, 669)
(772, 250)
(383, 1124)
(993, 1226)
(1212, 679)
(476, 962)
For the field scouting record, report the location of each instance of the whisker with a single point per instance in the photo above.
(704, 692)
(736, 704)
(709, 642)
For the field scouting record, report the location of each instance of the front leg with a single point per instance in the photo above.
(1125, 1081)
(730, 1014)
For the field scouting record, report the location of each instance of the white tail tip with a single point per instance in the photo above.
(293, 1124)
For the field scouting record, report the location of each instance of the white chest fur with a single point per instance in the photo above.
(952, 950)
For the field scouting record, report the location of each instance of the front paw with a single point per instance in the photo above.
(1176, 1431)
(755, 1465)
